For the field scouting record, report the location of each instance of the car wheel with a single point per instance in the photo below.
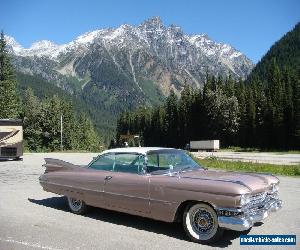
(200, 223)
(77, 206)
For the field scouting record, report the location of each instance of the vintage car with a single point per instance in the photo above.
(168, 185)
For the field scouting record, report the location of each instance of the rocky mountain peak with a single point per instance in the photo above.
(43, 44)
(153, 23)
(12, 44)
(175, 31)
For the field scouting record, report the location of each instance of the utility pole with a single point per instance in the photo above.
(61, 132)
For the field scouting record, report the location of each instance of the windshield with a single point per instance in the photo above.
(163, 161)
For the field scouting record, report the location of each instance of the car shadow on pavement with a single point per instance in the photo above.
(174, 230)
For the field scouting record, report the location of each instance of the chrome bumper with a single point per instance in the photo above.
(248, 217)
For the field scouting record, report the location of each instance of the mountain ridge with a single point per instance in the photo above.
(91, 35)
(117, 69)
(285, 51)
(193, 53)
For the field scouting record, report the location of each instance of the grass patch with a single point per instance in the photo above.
(239, 149)
(257, 150)
(287, 170)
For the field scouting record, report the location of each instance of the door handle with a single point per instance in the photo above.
(107, 178)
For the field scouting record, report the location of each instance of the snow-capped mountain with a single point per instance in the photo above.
(137, 63)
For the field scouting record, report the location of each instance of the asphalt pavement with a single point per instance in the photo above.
(33, 219)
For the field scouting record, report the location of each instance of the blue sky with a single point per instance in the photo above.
(250, 26)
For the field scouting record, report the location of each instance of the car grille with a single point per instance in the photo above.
(257, 198)
(8, 151)
(258, 202)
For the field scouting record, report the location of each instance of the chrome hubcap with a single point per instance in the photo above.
(75, 204)
(202, 221)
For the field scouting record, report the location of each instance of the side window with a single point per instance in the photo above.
(128, 163)
(104, 162)
(153, 160)
(167, 160)
(157, 162)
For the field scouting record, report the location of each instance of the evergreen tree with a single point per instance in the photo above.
(288, 108)
(86, 135)
(250, 119)
(229, 86)
(9, 102)
(32, 116)
(297, 114)
(184, 115)
(42, 125)
(197, 117)
(277, 96)
(240, 90)
(171, 120)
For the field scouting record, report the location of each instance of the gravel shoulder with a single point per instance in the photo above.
(33, 219)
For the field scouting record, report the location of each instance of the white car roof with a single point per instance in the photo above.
(140, 150)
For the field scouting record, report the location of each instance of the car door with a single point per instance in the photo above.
(127, 188)
(94, 179)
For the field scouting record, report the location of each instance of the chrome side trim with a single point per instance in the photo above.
(232, 181)
(68, 186)
(109, 193)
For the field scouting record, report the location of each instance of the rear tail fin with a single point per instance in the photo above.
(52, 165)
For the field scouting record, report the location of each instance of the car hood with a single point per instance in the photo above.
(253, 181)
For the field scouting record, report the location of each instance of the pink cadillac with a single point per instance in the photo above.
(168, 185)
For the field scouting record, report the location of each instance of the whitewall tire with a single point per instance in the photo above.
(76, 206)
(200, 223)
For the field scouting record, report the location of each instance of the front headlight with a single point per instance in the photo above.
(245, 199)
